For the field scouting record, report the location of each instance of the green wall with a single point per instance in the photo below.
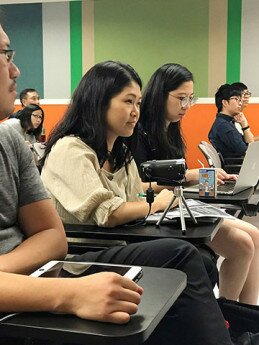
(23, 23)
(234, 40)
(154, 33)
(76, 46)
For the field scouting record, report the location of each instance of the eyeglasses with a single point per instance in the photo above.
(246, 94)
(184, 101)
(237, 99)
(39, 117)
(9, 54)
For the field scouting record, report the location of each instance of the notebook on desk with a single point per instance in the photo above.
(247, 178)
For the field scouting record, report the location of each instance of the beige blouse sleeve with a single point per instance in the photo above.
(71, 176)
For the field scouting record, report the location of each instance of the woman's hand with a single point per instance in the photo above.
(223, 176)
(192, 175)
(162, 200)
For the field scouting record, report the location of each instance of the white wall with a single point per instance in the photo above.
(249, 65)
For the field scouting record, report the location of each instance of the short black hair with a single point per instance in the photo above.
(24, 92)
(224, 92)
(239, 86)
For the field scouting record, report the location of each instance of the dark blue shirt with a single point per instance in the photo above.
(225, 137)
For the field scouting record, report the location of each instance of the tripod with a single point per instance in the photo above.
(178, 192)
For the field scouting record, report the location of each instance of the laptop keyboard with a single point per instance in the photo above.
(227, 187)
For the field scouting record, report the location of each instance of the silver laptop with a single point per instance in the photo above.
(248, 175)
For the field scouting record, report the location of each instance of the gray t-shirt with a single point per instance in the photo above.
(16, 124)
(20, 184)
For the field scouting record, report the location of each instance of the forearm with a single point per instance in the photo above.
(35, 251)
(127, 212)
(192, 175)
(21, 293)
(103, 296)
(248, 136)
(130, 211)
(157, 188)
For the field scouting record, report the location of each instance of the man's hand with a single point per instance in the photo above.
(240, 118)
(105, 296)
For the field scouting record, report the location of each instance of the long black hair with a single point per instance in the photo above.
(25, 119)
(86, 114)
(167, 143)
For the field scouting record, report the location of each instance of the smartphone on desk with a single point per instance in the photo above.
(69, 269)
(208, 182)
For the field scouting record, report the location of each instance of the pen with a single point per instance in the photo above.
(141, 195)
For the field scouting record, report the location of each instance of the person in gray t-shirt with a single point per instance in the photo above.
(21, 237)
(23, 188)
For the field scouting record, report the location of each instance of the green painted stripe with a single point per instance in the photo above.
(75, 43)
(234, 40)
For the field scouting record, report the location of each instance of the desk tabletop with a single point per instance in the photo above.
(156, 301)
(196, 233)
(237, 199)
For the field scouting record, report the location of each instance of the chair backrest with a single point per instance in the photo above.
(210, 154)
(39, 149)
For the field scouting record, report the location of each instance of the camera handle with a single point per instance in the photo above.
(178, 192)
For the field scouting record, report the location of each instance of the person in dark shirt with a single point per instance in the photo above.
(241, 120)
(223, 135)
(166, 100)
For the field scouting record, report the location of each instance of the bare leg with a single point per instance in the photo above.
(250, 290)
(237, 247)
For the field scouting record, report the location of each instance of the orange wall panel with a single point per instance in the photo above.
(52, 113)
(196, 125)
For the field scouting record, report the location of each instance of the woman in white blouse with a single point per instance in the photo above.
(89, 171)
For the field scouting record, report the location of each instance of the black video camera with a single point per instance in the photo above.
(165, 172)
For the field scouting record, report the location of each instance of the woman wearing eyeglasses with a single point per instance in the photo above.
(166, 100)
(29, 124)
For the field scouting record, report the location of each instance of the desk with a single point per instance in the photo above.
(196, 233)
(245, 201)
(237, 199)
(156, 301)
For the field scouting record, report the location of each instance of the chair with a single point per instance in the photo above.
(215, 159)
(39, 149)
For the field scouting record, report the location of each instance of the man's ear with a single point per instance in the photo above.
(23, 100)
(225, 103)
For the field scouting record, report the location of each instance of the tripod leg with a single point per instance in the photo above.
(166, 210)
(189, 211)
(182, 215)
